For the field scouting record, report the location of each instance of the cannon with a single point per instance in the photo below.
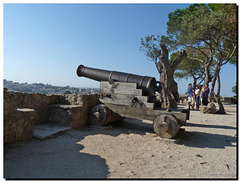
(146, 83)
(133, 96)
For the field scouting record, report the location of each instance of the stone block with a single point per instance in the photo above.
(19, 126)
(77, 120)
(210, 108)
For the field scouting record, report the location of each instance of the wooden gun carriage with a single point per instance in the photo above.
(133, 96)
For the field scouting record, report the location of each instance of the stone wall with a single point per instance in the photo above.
(23, 110)
(73, 109)
(72, 99)
(88, 101)
(38, 102)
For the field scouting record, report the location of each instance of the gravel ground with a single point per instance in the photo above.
(130, 149)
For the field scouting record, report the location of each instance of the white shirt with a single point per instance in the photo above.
(197, 91)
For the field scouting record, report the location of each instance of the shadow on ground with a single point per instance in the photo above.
(55, 158)
(211, 126)
(60, 157)
(206, 140)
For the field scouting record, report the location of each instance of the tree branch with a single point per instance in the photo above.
(181, 56)
(201, 81)
(164, 50)
(163, 58)
(217, 45)
(234, 49)
(199, 50)
(196, 59)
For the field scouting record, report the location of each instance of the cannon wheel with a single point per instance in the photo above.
(101, 115)
(98, 115)
(166, 125)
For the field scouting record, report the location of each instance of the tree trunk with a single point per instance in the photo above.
(169, 89)
(216, 77)
(219, 86)
(212, 88)
(168, 95)
(207, 73)
(220, 105)
(221, 109)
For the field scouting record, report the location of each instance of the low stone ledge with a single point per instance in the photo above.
(47, 130)
(19, 126)
(25, 110)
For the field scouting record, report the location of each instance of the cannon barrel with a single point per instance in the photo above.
(146, 83)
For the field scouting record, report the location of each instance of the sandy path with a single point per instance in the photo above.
(130, 149)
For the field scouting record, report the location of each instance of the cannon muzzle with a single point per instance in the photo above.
(146, 83)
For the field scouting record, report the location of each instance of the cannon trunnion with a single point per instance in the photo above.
(122, 97)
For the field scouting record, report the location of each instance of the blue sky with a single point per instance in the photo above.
(45, 43)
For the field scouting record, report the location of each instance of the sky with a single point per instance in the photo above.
(45, 43)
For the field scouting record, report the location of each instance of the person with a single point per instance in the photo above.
(190, 95)
(197, 94)
(205, 93)
(194, 96)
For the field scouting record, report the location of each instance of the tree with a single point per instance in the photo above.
(67, 92)
(158, 53)
(209, 33)
(185, 29)
(189, 68)
(234, 89)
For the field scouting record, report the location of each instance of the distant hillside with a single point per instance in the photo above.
(45, 89)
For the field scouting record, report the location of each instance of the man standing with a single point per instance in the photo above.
(190, 95)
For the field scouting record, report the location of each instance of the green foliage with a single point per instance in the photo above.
(201, 26)
(207, 31)
(234, 89)
(67, 92)
(150, 46)
(190, 68)
(179, 20)
(228, 14)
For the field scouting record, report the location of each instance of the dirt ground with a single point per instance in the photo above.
(130, 149)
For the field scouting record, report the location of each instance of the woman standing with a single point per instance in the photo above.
(197, 94)
(205, 95)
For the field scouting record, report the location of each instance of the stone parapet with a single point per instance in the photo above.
(38, 102)
(23, 110)
(80, 116)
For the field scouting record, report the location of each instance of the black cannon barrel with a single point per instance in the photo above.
(146, 83)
